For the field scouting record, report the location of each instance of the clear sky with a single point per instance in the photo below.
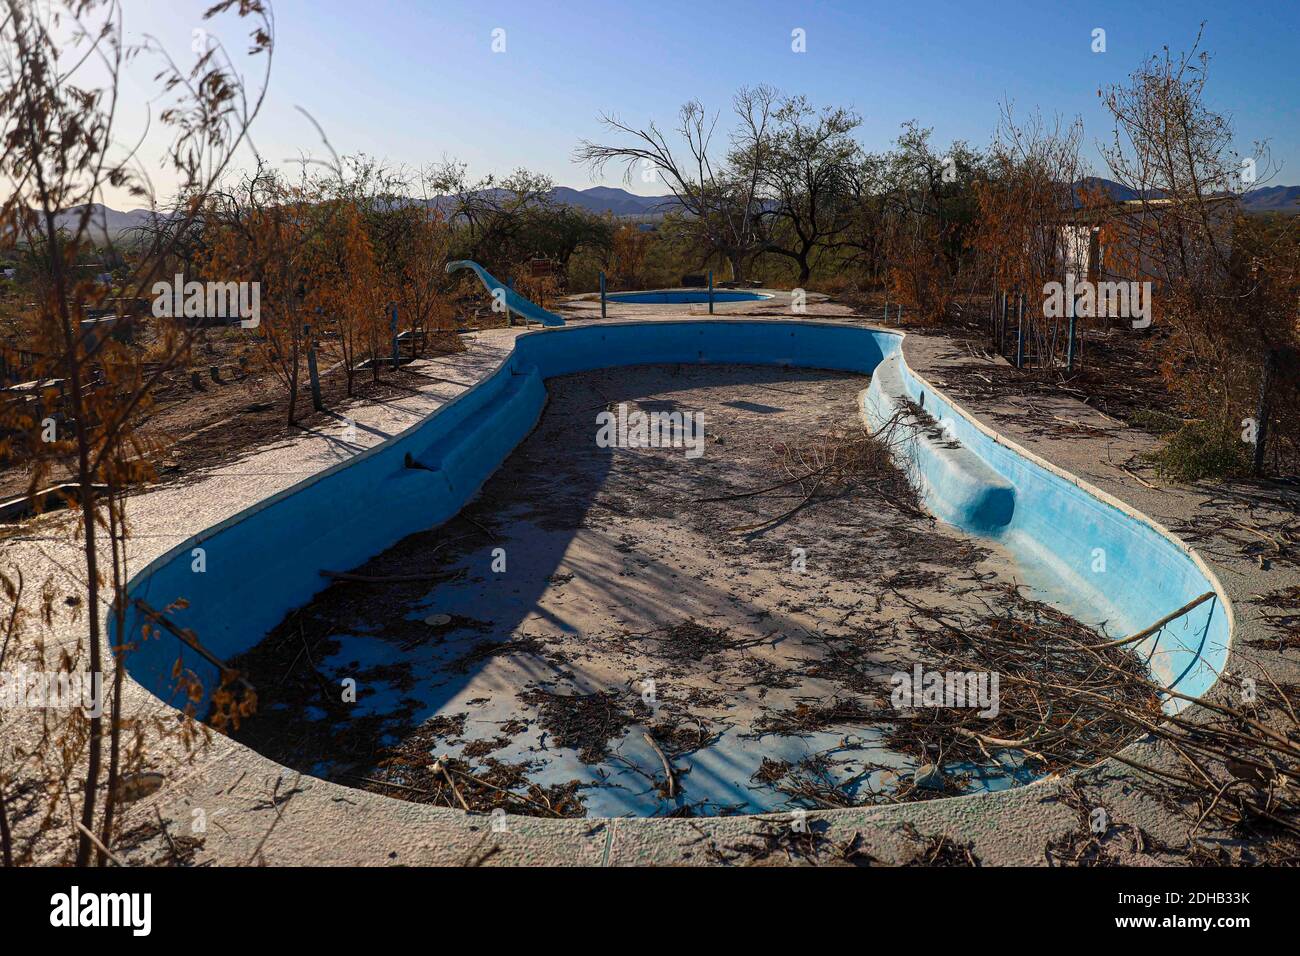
(410, 81)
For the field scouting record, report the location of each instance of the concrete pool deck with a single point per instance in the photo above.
(325, 823)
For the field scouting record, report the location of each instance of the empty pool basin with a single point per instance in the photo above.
(265, 561)
(685, 296)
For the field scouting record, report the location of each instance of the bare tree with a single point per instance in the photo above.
(1026, 235)
(1224, 287)
(490, 211)
(58, 155)
(721, 202)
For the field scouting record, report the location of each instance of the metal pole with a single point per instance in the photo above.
(312, 372)
(710, 292)
(602, 295)
(1261, 415)
(1069, 345)
(992, 318)
(392, 330)
(1002, 326)
(886, 310)
(1020, 330)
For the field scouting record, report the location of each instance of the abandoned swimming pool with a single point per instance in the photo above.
(1046, 519)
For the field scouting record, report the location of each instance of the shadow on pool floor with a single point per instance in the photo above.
(600, 639)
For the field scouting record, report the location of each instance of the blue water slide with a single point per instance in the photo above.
(515, 302)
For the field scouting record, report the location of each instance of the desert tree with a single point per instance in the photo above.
(1223, 287)
(626, 260)
(59, 156)
(1031, 194)
(928, 214)
(806, 160)
(413, 240)
(487, 214)
(264, 228)
(861, 243)
(719, 202)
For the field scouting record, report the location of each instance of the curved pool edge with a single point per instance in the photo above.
(463, 405)
(970, 511)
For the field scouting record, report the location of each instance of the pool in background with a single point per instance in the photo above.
(685, 296)
(265, 561)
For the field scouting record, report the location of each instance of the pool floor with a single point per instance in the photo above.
(596, 613)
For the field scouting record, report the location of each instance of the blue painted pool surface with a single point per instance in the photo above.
(508, 298)
(265, 561)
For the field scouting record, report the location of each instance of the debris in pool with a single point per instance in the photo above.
(584, 722)
(929, 777)
(766, 695)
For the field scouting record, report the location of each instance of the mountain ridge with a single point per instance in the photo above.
(622, 204)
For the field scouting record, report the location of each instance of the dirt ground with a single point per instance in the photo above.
(603, 636)
(244, 408)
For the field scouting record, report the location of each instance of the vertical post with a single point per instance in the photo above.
(312, 371)
(1261, 413)
(602, 295)
(710, 292)
(1020, 330)
(392, 331)
(886, 310)
(1069, 344)
(1002, 325)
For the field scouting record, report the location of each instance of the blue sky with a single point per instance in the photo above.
(412, 81)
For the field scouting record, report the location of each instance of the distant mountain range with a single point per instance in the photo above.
(1281, 199)
(104, 221)
(623, 204)
(598, 199)
(619, 202)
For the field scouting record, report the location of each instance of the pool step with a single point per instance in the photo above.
(464, 456)
(955, 483)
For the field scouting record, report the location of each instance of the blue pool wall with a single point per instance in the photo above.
(265, 561)
(1086, 551)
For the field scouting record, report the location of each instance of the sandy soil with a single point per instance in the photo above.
(632, 625)
(191, 429)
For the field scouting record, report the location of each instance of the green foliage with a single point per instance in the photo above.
(1203, 449)
(1155, 421)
